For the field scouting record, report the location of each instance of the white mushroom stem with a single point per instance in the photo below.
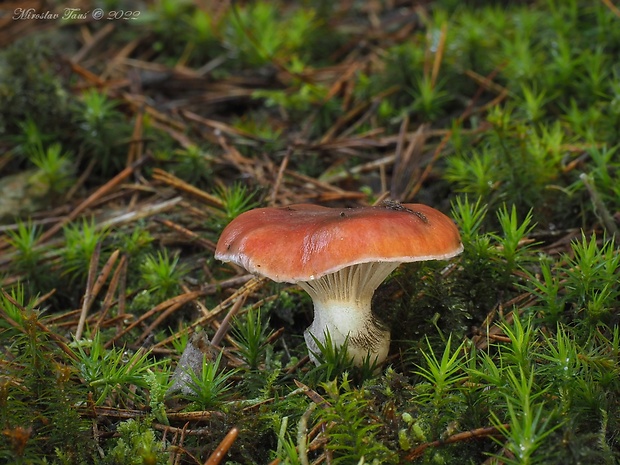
(342, 307)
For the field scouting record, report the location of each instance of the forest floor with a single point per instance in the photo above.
(130, 136)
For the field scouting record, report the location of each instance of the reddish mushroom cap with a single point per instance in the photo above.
(304, 242)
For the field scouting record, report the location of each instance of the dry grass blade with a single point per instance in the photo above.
(119, 274)
(168, 306)
(254, 104)
(613, 8)
(12, 27)
(177, 183)
(89, 295)
(427, 170)
(87, 74)
(251, 286)
(41, 299)
(218, 126)
(407, 162)
(216, 457)
(160, 318)
(313, 395)
(446, 138)
(314, 182)
(103, 190)
(93, 42)
(492, 330)
(188, 297)
(103, 276)
(459, 437)
(192, 236)
(439, 54)
(136, 146)
(143, 211)
(281, 170)
(225, 325)
(197, 416)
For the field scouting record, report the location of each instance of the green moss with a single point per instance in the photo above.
(515, 341)
(30, 88)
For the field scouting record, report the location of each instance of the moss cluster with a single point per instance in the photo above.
(119, 178)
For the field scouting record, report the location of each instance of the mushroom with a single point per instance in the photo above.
(339, 256)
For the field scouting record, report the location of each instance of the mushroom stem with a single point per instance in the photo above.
(342, 307)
